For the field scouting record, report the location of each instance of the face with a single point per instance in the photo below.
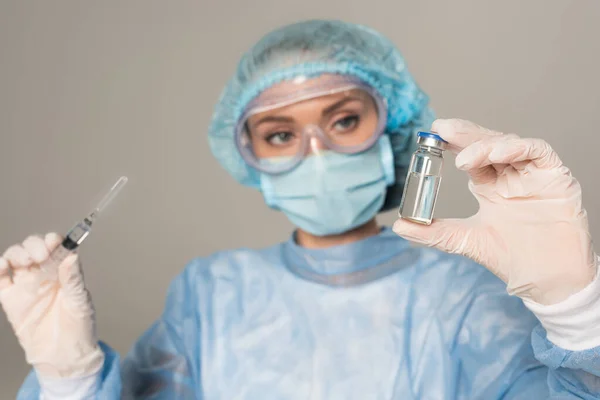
(347, 118)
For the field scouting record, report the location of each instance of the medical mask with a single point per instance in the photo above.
(329, 192)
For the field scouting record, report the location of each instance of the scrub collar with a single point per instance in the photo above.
(351, 264)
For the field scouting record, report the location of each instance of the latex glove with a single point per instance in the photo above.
(531, 230)
(53, 318)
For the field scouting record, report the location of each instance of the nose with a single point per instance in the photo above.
(316, 144)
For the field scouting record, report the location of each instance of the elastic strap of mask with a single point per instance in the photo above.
(266, 187)
(386, 155)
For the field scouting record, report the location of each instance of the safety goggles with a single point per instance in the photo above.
(302, 117)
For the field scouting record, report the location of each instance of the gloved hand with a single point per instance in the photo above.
(531, 230)
(53, 318)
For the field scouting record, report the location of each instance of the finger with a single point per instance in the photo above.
(500, 168)
(36, 247)
(52, 240)
(458, 236)
(474, 157)
(481, 176)
(508, 149)
(514, 151)
(17, 257)
(5, 278)
(461, 133)
(70, 275)
(520, 165)
(448, 235)
(19, 260)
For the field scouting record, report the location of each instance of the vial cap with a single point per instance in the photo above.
(430, 139)
(431, 135)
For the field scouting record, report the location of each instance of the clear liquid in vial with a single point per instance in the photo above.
(419, 197)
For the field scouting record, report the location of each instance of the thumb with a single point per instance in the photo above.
(448, 235)
(71, 281)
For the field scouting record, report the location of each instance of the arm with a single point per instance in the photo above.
(568, 342)
(163, 364)
(493, 346)
(107, 383)
(501, 359)
(532, 232)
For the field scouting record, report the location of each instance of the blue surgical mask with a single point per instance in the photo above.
(331, 193)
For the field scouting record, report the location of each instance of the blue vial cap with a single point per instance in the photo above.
(431, 135)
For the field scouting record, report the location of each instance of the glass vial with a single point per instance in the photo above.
(423, 179)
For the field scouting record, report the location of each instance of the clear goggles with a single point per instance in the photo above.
(302, 117)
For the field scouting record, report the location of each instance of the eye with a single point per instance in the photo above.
(279, 138)
(346, 123)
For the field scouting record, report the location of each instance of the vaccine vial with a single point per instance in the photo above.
(423, 179)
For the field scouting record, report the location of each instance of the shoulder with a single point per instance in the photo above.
(226, 269)
(229, 281)
(230, 263)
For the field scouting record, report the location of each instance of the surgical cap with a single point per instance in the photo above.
(310, 49)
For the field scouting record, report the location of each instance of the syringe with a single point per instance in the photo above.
(81, 230)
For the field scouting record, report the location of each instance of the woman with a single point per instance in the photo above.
(321, 117)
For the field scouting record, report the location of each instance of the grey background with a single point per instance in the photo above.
(93, 90)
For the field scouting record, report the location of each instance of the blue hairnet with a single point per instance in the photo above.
(312, 48)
